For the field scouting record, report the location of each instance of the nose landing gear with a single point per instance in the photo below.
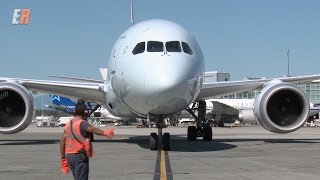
(159, 141)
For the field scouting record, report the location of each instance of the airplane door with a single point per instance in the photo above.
(115, 53)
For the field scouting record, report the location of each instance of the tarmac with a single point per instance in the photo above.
(238, 153)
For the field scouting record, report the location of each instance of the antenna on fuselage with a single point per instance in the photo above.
(131, 13)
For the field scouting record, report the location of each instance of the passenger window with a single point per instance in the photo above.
(173, 46)
(140, 47)
(186, 48)
(155, 46)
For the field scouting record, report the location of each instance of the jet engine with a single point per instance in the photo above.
(281, 107)
(16, 108)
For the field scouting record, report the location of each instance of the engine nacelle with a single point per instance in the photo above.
(16, 108)
(247, 116)
(281, 107)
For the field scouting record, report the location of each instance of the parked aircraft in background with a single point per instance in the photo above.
(63, 104)
(156, 69)
(230, 110)
(67, 105)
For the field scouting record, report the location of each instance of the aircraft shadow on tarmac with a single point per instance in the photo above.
(27, 142)
(178, 143)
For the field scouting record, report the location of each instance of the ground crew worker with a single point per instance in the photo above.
(75, 145)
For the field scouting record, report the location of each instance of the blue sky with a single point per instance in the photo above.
(244, 38)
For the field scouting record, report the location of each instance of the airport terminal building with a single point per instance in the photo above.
(312, 90)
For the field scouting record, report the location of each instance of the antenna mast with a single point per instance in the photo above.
(131, 12)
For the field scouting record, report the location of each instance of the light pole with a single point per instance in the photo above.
(42, 106)
(288, 55)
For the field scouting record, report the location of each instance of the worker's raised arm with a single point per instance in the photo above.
(109, 133)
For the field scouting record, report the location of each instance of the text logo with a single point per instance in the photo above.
(54, 97)
(21, 16)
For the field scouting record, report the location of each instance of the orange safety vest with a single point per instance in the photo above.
(72, 145)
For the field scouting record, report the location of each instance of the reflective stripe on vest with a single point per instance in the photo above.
(72, 145)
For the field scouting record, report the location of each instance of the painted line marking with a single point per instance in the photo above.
(163, 167)
(163, 170)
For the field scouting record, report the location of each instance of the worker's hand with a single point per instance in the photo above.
(109, 133)
(64, 166)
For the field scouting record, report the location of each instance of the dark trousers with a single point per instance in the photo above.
(78, 167)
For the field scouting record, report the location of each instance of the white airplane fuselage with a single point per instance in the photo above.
(247, 104)
(162, 82)
(235, 103)
(245, 109)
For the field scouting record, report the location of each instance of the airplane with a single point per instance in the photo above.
(64, 104)
(67, 105)
(156, 69)
(229, 110)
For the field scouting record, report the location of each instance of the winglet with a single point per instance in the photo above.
(104, 73)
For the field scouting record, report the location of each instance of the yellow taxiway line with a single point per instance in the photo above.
(163, 170)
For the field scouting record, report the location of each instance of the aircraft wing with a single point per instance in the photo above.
(211, 90)
(220, 108)
(84, 90)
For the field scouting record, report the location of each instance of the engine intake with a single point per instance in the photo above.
(281, 107)
(16, 108)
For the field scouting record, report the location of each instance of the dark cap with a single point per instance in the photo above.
(80, 107)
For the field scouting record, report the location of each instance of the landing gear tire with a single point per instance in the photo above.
(220, 124)
(192, 133)
(166, 141)
(153, 143)
(207, 133)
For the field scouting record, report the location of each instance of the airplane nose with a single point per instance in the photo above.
(164, 86)
(171, 88)
(168, 75)
(161, 81)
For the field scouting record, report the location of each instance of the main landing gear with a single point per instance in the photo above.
(203, 129)
(161, 140)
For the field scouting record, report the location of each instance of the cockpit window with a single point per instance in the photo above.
(140, 47)
(155, 46)
(173, 46)
(186, 48)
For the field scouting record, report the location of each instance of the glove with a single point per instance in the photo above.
(64, 166)
(109, 133)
